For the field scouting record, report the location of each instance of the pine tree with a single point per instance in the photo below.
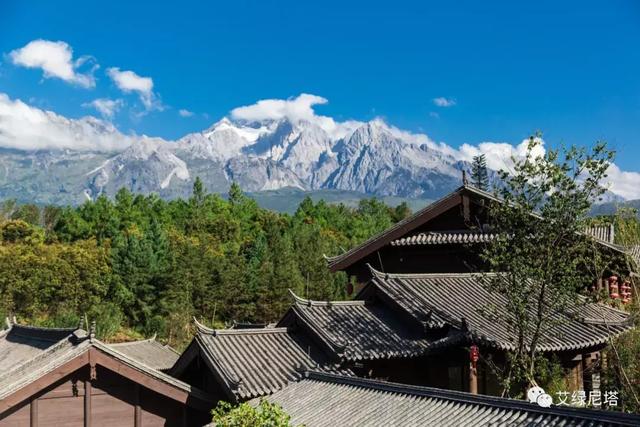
(479, 174)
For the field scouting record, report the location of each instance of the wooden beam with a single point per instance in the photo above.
(33, 409)
(137, 422)
(88, 390)
(147, 381)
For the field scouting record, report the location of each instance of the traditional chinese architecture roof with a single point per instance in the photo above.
(400, 229)
(254, 362)
(411, 230)
(19, 343)
(445, 238)
(444, 300)
(150, 352)
(357, 330)
(326, 400)
(46, 363)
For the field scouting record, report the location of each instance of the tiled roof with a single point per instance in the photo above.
(150, 352)
(400, 229)
(324, 400)
(29, 366)
(19, 343)
(444, 238)
(407, 228)
(463, 302)
(256, 362)
(357, 330)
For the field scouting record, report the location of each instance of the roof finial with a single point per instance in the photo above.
(92, 330)
(464, 178)
(8, 322)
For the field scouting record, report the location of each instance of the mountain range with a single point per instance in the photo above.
(73, 160)
(369, 158)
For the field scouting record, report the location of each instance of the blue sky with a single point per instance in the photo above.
(569, 69)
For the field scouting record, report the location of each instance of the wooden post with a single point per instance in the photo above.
(87, 403)
(33, 406)
(138, 410)
(474, 356)
(473, 379)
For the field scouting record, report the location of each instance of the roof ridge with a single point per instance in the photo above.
(308, 302)
(44, 328)
(123, 343)
(478, 399)
(381, 274)
(247, 331)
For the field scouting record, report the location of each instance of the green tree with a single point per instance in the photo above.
(542, 256)
(479, 174)
(622, 369)
(245, 415)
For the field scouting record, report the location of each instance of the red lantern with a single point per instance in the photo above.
(613, 287)
(474, 355)
(625, 291)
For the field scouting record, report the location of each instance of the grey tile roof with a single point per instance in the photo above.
(324, 400)
(19, 343)
(446, 299)
(445, 238)
(150, 352)
(31, 366)
(357, 330)
(256, 362)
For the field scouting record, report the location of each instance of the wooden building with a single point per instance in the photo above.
(444, 237)
(55, 377)
(239, 364)
(420, 314)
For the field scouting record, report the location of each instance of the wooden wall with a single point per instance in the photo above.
(114, 401)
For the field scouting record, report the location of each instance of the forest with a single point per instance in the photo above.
(140, 265)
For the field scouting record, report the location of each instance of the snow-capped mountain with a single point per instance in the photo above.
(48, 158)
(260, 155)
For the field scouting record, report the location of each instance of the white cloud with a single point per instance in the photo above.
(444, 102)
(434, 114)
(105, 106)
(625, 184)
(56, 61)
(185, 113)
(498, 154)
(128, 81)
(296, 110)
(24, 127)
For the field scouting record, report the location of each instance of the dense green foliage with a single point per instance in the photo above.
(144, 265)
(244, 415)
(546, 258)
